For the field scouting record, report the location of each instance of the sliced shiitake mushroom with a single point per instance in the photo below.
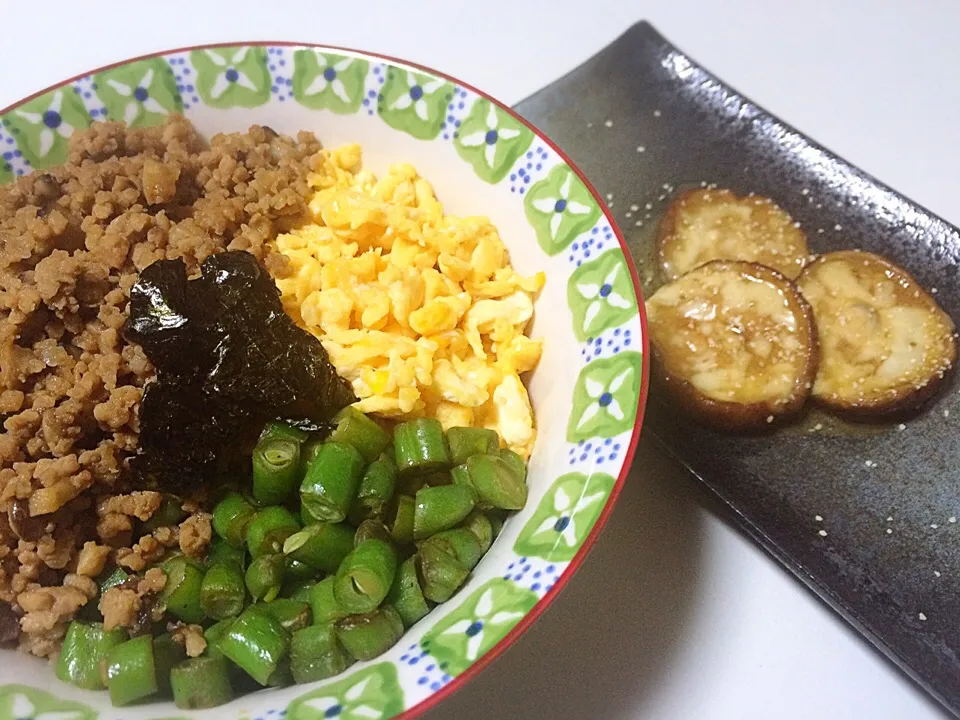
(886, 346)
(735, 343)
(714, 224)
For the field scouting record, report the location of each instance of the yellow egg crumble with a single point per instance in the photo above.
(419, 310)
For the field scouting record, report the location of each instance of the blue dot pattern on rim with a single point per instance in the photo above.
(528, 168)
(533, 573)
(600, 238)
(607, 344)
(281, 80)
(182, 74)
(593, 454)
(457, 110)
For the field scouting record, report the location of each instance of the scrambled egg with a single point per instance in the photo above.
(420, 311)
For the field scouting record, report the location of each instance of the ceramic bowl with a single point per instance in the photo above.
(588, 392)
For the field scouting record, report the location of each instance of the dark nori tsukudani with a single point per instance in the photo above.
(228, 359)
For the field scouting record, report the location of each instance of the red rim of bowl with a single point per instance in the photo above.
(543, 603)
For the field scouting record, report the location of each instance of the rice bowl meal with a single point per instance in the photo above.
(271, 412)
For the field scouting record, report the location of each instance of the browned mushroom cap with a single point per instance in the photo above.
(886, 346)
(703, 225)
(735, 343)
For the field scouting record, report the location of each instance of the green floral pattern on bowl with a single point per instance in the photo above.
(484, 160)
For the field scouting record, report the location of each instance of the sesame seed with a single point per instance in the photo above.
(819, 205)
(934, 526)
(822, 533)
(639, 223)
(629, 215)
(838, 227)
(796, 224)
(608, 123)
(933, 290)
(901, 427)
(589, 125)
(634, 207)
(609, 196)
(805, 191)
(819, 231)
(648, 206)
(818, 518)
(937, 573)
(946, 413)
(656, 113)
(889, 531)
(641, 148)
(769, 419)
(922, 616)
(952, 519)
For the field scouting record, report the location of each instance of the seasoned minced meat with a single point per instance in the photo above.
(72, 241)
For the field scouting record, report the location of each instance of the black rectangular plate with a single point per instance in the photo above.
(889, 497)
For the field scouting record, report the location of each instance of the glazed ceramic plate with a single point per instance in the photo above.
(866, 517)
(588, 391)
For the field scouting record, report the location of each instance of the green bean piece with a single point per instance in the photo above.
(169, 513)
(214, 634)
(264, 577)
(231, 517)
(276, 467)
(131, 673)
(283, 429)
(323, 603)
(376, 489)
(516, 463)
(459, 542)
(420, 446)
(84, 646)
(354, 428)
(466, 442)
(201, 682)
(316, 653)
(401, 522)
(181, 594)
(256, 642)
(298, 571)
(409, 484)
(282, 676)
(496, 524)
(222, 592)
(117, 576)
(439, 572)
(167, 654)
(291, 614)
(479, 524)
(299, 590)
(365, 576)
(223, 553)
(371, 529)
(496, 483)
(308, 453)
(440, 508)
(367, 635)
(269, 529)
(461, 476)
(322, 546)
(405, 594)
(331, 482)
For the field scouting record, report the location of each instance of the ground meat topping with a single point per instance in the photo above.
(195, 534)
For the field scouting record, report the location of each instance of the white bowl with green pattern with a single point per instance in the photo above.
(588, 391)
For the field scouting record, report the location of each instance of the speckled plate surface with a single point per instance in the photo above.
(588, 392)
(866, 518)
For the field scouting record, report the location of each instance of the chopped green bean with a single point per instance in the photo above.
(440, 508)
(181, 593)
(331, 482)
(84, 646)
(354, 428)
(316, 653)
(169, 513)
(406, 596)
(420, 446)
(308, 453)
(131, 673)
(468, 441)
(371, 529)
(264, 576)
(223, 553)
(291, 614)
(214, 634)
(322, 546)
(298, 571)
(496, 482)
(461, 476)
(269, 529)
(256, 642)
(516, 463)
(376, 489)
(459, 542)
(439, 572)
(167, 653)
(276, 466)
(401, 521)
(479, 524)
(222, 592)
(202, 682)
(231, 517)
(496, 525)
(116, 577)
(323, 603)
(367, 635)
(365, 576)
(282, 676)
(299, 590)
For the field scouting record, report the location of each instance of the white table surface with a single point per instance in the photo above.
(675, 615)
